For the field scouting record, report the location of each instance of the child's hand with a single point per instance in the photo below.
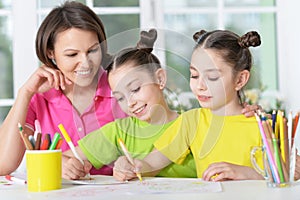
(226, 171)
(249, 110)
(124, 171)
(72, 168)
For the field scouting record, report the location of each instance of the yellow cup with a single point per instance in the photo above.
(43, 170)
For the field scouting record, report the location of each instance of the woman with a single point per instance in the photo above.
(70, 88)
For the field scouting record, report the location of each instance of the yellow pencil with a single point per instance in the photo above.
(71, 145)
(128, 156)
(282, 135)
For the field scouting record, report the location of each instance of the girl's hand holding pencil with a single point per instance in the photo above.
(124, 170)
(129, 158)
(80, 169)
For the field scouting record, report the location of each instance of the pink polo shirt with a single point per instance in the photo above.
(52, 108)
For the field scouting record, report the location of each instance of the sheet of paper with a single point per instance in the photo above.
(174, 185)
(96, 180)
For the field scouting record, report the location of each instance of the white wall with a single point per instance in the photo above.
(289, 57)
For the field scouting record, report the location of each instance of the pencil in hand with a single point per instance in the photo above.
(128, 156)
(72, 147)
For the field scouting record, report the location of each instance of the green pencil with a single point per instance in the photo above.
(277, 159)
(55, 139)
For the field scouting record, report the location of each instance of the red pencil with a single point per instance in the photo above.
(46, 142)
(14, 179)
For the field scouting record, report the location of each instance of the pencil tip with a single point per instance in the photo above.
(20, 126)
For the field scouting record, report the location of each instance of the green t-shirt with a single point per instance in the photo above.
(101, 146)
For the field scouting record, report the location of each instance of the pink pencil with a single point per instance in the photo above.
(269, 153)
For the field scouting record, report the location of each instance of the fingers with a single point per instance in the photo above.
(56, 78)
(87, 166)
(123, 175)
(227, 171)
(73, 169)
(45, 78)
(249, 110)
(123, 170)
(221, 171)
(213, 172)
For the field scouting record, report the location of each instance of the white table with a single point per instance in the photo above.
(243, 190)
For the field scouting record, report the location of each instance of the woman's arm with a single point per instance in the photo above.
(11, 146)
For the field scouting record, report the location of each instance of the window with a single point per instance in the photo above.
(185, 17)
(176, 22)
(6, 75)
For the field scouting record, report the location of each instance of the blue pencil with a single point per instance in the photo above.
(273, 120)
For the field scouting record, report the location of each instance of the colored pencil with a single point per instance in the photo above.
(25, 139)
(268, 151)
(128, 156)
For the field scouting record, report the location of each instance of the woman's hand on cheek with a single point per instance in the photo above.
(45, 78)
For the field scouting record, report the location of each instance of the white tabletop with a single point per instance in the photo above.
(243, 190)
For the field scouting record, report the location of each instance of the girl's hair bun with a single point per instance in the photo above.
(198, 36)
(147, 39)
(250, 39)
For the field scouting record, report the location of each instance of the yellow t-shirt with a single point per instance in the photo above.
(210, 138)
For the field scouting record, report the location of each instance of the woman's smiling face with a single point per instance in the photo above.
(78, 55)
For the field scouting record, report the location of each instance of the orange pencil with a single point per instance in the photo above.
(59, 143)
(46, 142)
(295, 124)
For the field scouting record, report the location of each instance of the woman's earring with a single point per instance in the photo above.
(161, 85)
(53, 61)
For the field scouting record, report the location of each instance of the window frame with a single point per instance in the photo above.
(151, 12)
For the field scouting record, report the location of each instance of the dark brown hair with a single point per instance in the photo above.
(141, 55)
(71, 14)
(233, 49)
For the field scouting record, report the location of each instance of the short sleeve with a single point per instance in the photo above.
(100, 146)
(175, 141)
(31, 114)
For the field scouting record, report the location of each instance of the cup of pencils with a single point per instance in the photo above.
(278, 151)
(275, 168)
(43, 161)
(43, 170)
